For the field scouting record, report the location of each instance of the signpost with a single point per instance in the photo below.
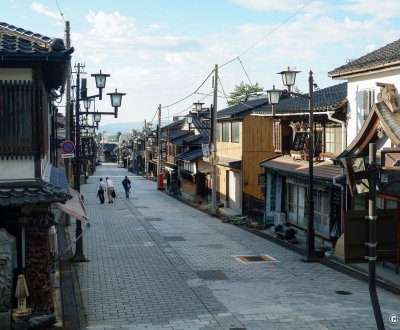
(67, 147)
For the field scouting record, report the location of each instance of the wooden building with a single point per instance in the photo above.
(243, 141)
(287, 172)
(32, 68)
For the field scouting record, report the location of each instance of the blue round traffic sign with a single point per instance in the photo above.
(68, 147)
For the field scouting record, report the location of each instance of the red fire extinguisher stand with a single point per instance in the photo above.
(161, 181)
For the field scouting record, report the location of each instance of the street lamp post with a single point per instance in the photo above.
(81, 95)
(289, 78)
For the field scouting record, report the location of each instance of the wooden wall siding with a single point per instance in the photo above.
(231, 149)
(23, 120)
(257, 146)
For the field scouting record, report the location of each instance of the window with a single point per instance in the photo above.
(318, 134)
(296, 199)
(189, 166)
(218, 138)
(225, 132)
(321, 212)
(333, 139)
(368, 102)
(235, 132)
(382, 203)
(277, 134)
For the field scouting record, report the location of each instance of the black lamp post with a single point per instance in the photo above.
(81, 95)
(289, 78)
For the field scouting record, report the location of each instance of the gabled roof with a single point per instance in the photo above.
(240, 110)
(386, 56)
(23, 48)
(380, 115)
(326, 99)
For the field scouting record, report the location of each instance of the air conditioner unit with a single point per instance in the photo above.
(279, 218)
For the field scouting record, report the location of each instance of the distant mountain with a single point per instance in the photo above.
(114, 128)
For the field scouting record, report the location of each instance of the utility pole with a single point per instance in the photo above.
(79, 256)
(145, 149)
(159, 148)
(67, 113)
(214, 146)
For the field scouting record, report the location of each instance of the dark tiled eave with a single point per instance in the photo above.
(28, 193)
(240, 110)
(190, 155)
(386, 56)
(326, 99)
(22, 48)
(19, 44)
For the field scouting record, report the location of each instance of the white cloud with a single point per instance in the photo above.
(155, 67)
(271, 5)
(114, 24)
(38, 7)
(378, 9)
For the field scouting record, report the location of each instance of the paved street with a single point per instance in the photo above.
(157, 263)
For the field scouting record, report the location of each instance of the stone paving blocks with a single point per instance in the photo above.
(137, 278)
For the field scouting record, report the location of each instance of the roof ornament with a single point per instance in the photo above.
(388, 95)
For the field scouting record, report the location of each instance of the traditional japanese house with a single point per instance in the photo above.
(373, 81)
(287, 172)
(243, 141)
(195, 181)
(33, 68)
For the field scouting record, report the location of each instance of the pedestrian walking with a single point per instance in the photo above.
(126, 183)
(110, 190)
(101, 188)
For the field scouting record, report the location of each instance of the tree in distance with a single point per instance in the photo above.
(242, 92)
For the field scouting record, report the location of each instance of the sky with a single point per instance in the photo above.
(164, 51)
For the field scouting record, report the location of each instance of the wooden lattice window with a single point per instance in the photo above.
(277, 134)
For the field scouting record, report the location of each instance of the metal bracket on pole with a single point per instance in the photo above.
(371, 244)
(370, 258)
(371, 217)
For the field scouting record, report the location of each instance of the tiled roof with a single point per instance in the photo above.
(385, 56)
(17, 44)
(172, 127)
(389, 119)
(238, 111)
(16, 41)
(380, 114)
(197, 139)
(53, 188)
(178, 135)
(190, 155)
(326, 99)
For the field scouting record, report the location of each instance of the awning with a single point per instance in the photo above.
(285, 164)
(229, 162)
(74, 206)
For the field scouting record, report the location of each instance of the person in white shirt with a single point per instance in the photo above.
(110, 190)
(101, 188)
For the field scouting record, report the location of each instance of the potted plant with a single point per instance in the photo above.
(259, 224)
